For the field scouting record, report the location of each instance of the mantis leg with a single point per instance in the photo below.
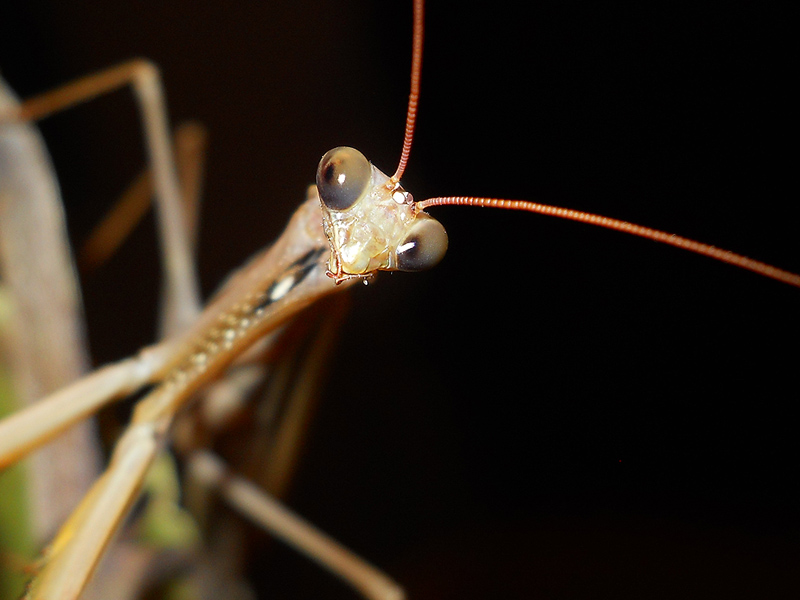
(274, 517)
(30, 428)
(181, 288)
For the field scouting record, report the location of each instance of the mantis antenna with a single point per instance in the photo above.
(656, 235)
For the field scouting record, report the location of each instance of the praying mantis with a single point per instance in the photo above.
(530, 362)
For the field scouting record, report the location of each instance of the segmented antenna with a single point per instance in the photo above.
(725, 256)
(413, 96)
(656, 235)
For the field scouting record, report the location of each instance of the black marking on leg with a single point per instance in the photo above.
(291, 278)
(309, 257)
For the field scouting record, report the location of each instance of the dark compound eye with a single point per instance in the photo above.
(343, 177)
(424, 246)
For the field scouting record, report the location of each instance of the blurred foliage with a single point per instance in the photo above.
(17, 546)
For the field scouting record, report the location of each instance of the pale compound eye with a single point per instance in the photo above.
(424, 246)
(343, 177)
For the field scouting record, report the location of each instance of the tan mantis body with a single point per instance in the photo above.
(729, 330)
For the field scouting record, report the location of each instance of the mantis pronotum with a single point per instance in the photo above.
(629, 113)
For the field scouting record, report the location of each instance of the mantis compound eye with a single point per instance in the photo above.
(424, 246)
(343, 177)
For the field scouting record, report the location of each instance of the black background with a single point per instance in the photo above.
(554, 411)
